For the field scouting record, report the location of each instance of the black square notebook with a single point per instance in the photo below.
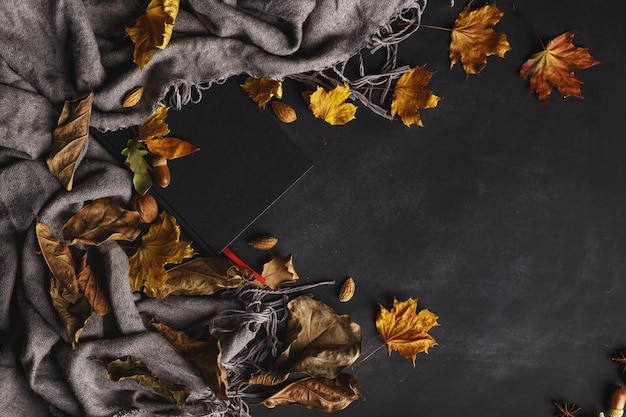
(245, 163)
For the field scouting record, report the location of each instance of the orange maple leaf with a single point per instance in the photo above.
(409, 95)
(553, 67)
(261, 90)
(331, 106)
(404, 330)
(473, 38)
(153, 29)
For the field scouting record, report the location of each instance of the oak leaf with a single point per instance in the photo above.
(161, 245)
(320, 342)
(409, 95)
(404, 330)
(553, 67)
(129, 368)
(206, 355)
(73, 309)
(201, 276)
(153, 29)
(100, 221)
(59, 259)
(135, 153)
(89, 284)
(326, 394)
(69, 139)
(473, 38)
(261, 90)
(331, 106)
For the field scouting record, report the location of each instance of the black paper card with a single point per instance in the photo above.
(245, 163)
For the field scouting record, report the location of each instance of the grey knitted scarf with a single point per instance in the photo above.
(53, 50)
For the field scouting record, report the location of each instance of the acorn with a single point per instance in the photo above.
(618, 401)
(146, 206)
(161, 171)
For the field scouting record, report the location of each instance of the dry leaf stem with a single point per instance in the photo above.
(369, 355)
(531, 27)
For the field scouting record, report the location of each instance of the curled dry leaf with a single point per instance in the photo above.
(267, 378)
(59, 259)
(133, 97)
(129, 368)
(69, 139)
(100, 221)
(201, 276)
(404, 330)
(264, 242)
(553, 67)
(409, 95)
(169, 147)
(347, 290)
(473, 38)
(318, 393)
(319, 342)
(278, 271)
(155, 125)
(206, 355)
(90, 285)
(153, 29)
(331, 106)
(73, 310)
(261, 90)
(135, 153)
(161, 245)
(284, 112)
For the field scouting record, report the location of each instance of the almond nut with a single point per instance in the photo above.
(284, 112)
(133, 97)
(146, 206)
(347, 290)
(264, 242)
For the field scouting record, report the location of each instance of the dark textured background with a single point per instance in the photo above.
(506, 219)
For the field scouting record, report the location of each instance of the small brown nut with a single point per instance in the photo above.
(146, 206)
(264, 242)
(347, 290)
(161, 171)
(284, 112)
(133, 97)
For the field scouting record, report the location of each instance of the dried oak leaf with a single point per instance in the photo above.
(129, 368)
(206, 355)
(201, 276)
(326, 394)
(135, 153)
(69, 139)
(161, 245)
(90, 285)
(553, 67)
(73, 309)
(320, 342)
(261, 90)
(409, 95)
(153, 29)
(404, 330)
(331, 106)
(59, 259)
(100, 221)
(473, 38)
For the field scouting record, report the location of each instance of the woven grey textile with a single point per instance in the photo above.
(53, 50)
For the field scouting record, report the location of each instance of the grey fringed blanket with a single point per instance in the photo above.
(53, 50)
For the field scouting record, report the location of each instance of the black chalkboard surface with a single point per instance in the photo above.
(244, 164)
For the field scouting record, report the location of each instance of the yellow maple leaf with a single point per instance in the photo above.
(331, 106)
(404, 330)
(553, 67)
(473, 38)
(154, 126)
(409, 95)
(160, 246)
(153, 29)
(261, 90)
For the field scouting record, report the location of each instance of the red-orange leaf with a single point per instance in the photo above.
(553, 67)
(169, 147)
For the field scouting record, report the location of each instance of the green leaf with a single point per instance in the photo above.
(119, 370)
(135, 153)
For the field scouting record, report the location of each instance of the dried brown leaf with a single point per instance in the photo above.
(324, 394)
(100, 221)
(73, 310)
(90, 285)
(169, 147)
(261, 90)
(59, 259)
(69, 139)
(409, 95)
(206, 355)
(267, 378)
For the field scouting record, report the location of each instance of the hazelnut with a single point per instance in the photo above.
(146, 206)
